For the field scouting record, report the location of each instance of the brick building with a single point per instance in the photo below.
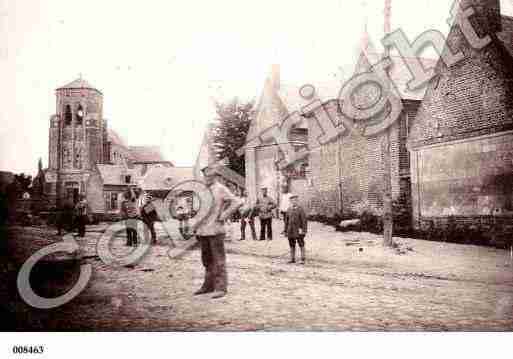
(461, 141)
(345, 175)
(86, 156)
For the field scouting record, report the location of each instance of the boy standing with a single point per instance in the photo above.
(183, 222)
(296, 229)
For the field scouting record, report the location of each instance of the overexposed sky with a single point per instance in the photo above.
(159, 64)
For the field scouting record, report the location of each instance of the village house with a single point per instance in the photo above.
(461, 141)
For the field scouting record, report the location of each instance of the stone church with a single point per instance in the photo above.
(87, 157)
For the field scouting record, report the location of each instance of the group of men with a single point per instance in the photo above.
(263, 210)
(211, 232)
(138, 204)
(70, 216)
(265, 206)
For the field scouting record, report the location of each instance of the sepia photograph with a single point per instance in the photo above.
(245, 167)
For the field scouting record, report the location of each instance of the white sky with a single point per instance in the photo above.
(160, 63)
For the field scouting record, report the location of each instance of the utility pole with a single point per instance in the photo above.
(388, 219)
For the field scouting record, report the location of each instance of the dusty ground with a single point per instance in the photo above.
(350, 282)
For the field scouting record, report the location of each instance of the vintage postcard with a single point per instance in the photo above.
(255, 166)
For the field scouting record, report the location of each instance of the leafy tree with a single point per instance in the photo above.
(230, 131)
(24, 182)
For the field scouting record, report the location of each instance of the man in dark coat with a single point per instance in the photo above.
(64, 214)
(296, 229)
(82, 211)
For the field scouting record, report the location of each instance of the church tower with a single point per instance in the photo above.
(76, 137)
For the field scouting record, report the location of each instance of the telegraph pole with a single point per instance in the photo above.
(388, 219)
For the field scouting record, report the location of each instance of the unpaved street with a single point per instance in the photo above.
(350, 282)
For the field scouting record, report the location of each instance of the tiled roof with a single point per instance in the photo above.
(146, 154)
(399, 73)
(115, 138)
(79, 84)
(115, 174)
(165, 178)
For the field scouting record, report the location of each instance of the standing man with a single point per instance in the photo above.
(284, 206)
(147, 212)
(296, 229)
(129, 214)
(82, 210)
(211, 234)
(247, 216)
(266, 205)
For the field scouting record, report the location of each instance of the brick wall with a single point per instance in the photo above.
(461, 165)
(472, 98)
(347, 174)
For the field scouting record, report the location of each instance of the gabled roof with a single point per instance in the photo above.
(399, 72)
(146, 154)
(79, 84)
(115, 138)
(115, 174)
(165, 178)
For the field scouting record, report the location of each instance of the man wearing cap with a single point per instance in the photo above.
(211, 233)
(296, 228)
(266, 205)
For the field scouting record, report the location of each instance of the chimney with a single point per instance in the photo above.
(487, 17)
(275, 76)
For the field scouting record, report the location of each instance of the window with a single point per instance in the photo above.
(128, 178)
(80, 115)
(67, 116)
(303, 169)
(113, 201)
